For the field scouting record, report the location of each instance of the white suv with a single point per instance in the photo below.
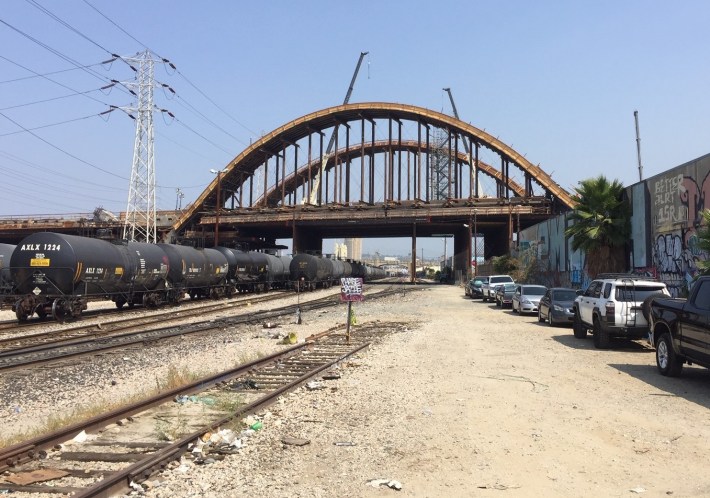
(612, 306)
(488, 289)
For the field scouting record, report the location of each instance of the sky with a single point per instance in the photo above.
(557, 81)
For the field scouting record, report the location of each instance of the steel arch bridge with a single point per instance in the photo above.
(388, 170)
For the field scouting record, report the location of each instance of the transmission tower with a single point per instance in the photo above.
(140, 222)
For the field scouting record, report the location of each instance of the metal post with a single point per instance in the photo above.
(219, 204)
(347, 327)
(219, 208)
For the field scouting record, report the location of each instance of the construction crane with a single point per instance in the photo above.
(465, 143)
(456, 115)
(313, 198)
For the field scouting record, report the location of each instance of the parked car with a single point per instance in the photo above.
(679, 329)
(468, 288)
(612, 307)
(504, 294)
(556, 306)
(488, 288)
(527, 297)
(476, 287)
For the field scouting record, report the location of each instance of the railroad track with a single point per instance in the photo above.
(134, 452)
(136, 332)
(102, 329)
(12, 326)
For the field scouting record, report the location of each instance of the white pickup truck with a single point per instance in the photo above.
(489, 288)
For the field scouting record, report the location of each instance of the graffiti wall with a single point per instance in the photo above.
(666, 217)
(546, 241)
(677, 198)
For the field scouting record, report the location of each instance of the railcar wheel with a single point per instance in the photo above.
(669, 364)
(120, 302)
(59, 309)
(21, 314)
(41, 312)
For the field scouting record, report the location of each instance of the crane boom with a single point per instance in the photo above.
(316, 181)
(456, 115)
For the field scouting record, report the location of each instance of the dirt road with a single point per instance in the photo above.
(475, 401)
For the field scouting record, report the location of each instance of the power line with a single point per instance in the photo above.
(50, 99)
(50, 73)
(176, 70)
(66, 24)
(119, 27)
(62, 56)
(25, 130)
(60, 149)
(57, 82)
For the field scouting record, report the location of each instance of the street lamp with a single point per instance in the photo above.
(219, 203)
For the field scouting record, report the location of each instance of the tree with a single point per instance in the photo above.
(704, 241)
(601, 224)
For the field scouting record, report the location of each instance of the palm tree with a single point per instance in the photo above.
(601, 224)
(704, 241)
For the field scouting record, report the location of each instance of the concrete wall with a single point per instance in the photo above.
(546, 241)
(675, 200)
(664, 223)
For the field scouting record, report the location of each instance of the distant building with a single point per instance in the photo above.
(354, 248)
(341, 251)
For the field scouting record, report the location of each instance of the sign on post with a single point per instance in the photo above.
(351, 290)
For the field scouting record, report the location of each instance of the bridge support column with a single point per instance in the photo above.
(306, 240)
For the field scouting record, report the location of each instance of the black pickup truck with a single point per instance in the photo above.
(680, 329)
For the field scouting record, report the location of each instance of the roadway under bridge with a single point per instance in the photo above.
(396, 171)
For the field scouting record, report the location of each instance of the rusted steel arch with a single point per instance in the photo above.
(381, 146)
(270, 145)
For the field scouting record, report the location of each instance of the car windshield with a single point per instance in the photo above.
(637, 293)
(510, 287)
(534, 290)
(564, 295)
(497, 280)
(477, 283)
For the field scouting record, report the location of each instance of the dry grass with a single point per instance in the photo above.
(173, 378)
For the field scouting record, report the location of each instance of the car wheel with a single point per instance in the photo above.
(601, 336)
(580, 331)
(540, 318)
(667, 361)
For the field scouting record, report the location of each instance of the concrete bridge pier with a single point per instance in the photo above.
(306, 240)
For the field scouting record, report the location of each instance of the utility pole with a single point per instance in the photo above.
(638, 145)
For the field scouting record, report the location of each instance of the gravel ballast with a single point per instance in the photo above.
(463, 399)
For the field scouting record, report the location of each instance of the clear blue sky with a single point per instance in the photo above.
(558, 81)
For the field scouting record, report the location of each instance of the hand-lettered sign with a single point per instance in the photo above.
(351, 289)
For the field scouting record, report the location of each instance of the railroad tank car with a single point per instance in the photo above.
(359, 269)
(279, 271)
(57, 273)
(309, 271)
(5, 255)
(338, 270)
(196, 272)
